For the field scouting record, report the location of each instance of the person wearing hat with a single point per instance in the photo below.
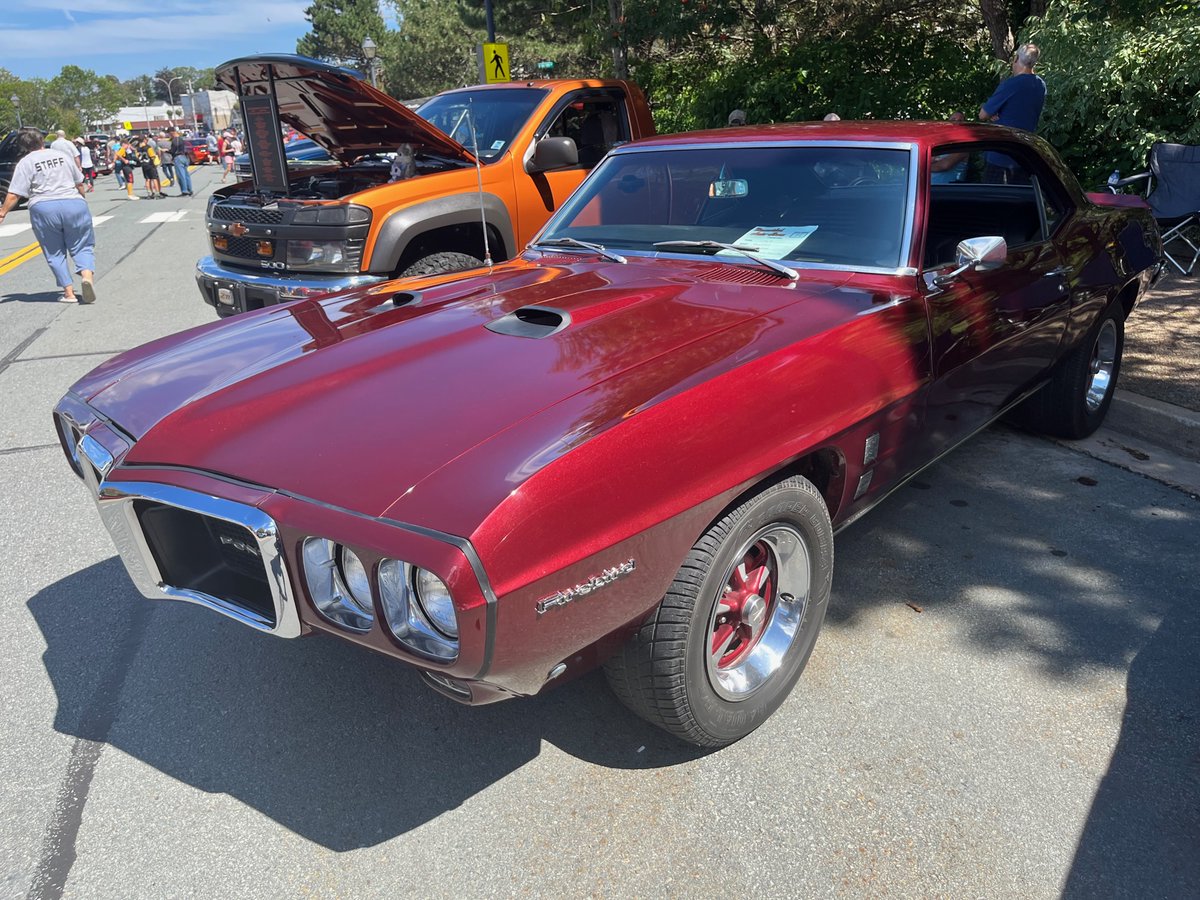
(178, 150)
(737, 118)
(87, 164)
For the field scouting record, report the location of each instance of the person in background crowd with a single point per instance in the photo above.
(165, 158)
(737, 118)
(832, 117)
(147, 158)
(948, 168)
(212, 145)
(124, 161)
(178, 150)
(61, 221)
(1017, 103)
(61, 144)
(114, 147)
(225, 151)
(87, 164)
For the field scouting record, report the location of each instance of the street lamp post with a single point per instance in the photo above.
(16, 102)
(369, 49)
(170, 96)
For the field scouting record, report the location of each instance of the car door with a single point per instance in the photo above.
(596, 119)
(995, 331)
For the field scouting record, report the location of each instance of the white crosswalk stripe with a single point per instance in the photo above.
(156, 218)
(100, 220)
(14, 228)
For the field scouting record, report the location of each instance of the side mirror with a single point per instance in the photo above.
(553, 153)
(979, 253)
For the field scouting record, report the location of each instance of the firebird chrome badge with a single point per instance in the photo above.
(607, 577)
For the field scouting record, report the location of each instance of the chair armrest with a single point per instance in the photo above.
(1125, 182)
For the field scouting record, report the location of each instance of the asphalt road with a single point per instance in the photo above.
(1003, 703)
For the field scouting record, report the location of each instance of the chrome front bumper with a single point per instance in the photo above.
(96, 449)
(232, 290)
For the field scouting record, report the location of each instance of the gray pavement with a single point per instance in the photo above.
(1002, 703)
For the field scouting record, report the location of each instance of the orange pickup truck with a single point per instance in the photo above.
(406, 193)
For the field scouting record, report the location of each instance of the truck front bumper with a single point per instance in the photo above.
(231, 291)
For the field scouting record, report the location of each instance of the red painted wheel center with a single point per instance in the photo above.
(744, 609)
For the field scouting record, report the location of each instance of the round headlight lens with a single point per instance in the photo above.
(354, 573)
(434, 597)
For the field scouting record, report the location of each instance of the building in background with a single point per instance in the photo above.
(205, 111)
(139, 118)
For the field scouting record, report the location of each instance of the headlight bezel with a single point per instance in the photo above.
(406, 620)
(321, 562)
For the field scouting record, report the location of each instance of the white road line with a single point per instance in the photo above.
(158, 217)
(15, 228)
(100, 220)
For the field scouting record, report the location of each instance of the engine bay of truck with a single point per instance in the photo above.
(332, 183)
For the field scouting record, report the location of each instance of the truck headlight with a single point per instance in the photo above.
(338, 584)
(418, 610)
(316, 254)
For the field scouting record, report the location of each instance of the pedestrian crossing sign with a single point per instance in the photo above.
(493, 63)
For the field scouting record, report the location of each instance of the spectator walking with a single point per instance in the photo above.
(179, 152)
(62, 145)
(124, 161)
(1017, 103)
(114, 147)
(165, 159)
(87, 164)
(53, 183)
(147, 158)
(225, 150)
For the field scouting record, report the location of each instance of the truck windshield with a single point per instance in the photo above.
(498, 116)
(842, 206)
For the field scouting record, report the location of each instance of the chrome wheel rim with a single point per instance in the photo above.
(756, 618)
(1104, 361)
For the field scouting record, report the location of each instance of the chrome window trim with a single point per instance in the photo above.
(910, 199)
(115, 500)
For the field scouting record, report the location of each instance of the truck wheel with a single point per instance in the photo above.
(1075, 401)
(436, 263)
(727, 643)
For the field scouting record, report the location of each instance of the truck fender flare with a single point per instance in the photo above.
(403, 226)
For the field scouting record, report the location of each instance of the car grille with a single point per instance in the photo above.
(211, 556)
(242, 247)
(247, 248)
(251, 214)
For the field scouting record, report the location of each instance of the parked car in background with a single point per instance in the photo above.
(8, 160)
(197, 151)
(97, 142)
(300, 154)
(632, 444)
(351, 222)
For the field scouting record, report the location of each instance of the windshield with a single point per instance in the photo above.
(498, 116)
(843, 206)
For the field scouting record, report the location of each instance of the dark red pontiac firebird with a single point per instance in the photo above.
(632, 445)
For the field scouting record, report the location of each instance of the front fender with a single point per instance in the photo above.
(403, 226)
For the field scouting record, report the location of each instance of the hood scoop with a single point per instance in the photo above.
(531, 322)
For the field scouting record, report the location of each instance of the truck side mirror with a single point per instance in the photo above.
(553, 153)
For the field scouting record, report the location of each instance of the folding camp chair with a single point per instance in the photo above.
(1173, 192)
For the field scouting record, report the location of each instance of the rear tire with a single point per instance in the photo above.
(437, 263)
(1075, 401)
(727, 643)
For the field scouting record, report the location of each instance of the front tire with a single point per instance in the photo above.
(727, 643)
(437, 263)
(1075, 401)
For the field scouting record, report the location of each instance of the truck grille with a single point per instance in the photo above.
(242, 247)
(195, 552)
(252, 214)
(247, 248)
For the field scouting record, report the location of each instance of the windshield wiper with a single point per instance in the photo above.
(736, 248)
(583, 245)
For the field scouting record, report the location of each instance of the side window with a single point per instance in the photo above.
(595, 122)
(979, 192)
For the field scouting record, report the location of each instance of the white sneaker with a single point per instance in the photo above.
(65, 299)
(132, 197)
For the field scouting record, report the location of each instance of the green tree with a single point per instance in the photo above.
(83, 97)
(338, 29)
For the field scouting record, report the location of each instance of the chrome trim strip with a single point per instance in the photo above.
(115, 501)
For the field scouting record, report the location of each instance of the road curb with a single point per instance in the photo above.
(1165, 424)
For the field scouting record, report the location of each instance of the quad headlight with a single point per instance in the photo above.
(417, 607)
(338, 583)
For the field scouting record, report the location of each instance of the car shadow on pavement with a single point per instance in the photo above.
(1116, 592)
(344, 747)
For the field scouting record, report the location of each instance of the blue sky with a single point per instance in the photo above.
(132, 37)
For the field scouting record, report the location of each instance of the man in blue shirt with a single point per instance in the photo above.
(1016, 103)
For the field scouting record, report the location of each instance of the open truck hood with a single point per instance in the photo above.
(334, 107)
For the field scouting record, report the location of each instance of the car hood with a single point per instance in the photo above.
(353, 400)
(336, 109)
